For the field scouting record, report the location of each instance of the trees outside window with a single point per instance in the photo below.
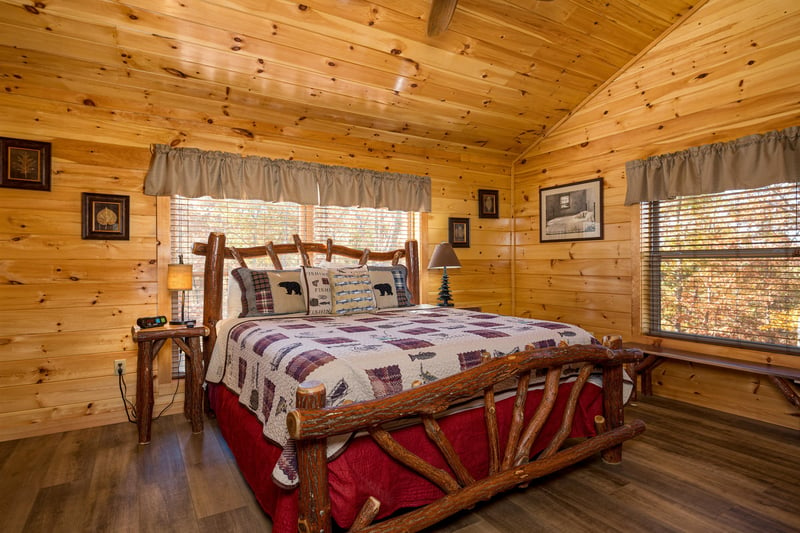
(724, 268)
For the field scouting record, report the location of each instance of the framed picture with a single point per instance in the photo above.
(25, 164)
(571, 212)
(458, 232)
(488, 203)
(105, 216)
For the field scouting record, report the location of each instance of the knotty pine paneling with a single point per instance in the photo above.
(69, 303)
(745, 394)
(729, 71)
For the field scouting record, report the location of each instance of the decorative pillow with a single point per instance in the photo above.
(351, 289)
(389, 286)
(234, 302)
(269, 292)
(317, 290)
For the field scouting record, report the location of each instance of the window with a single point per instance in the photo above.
(724, 268)
(253, 222)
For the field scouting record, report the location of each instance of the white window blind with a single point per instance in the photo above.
(724, 268)
(253, 223)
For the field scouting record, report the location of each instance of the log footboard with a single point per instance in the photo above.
(311, 423)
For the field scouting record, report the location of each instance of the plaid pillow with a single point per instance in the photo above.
(389, 286)
(269, 292)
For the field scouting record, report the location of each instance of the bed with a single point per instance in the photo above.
(346, 402)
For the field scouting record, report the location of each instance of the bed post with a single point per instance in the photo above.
(314, 502)
(612, 399)
(412, 264)
(212, 291)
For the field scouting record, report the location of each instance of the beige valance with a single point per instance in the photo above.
(192, 173)
(747, 163)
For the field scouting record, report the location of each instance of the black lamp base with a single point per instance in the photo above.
(445, 300)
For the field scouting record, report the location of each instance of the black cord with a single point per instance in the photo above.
(123, 391)
(177, 384)
(130, 409)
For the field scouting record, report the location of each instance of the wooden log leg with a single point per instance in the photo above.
(313, 499)
(612, 408)
(647, 382)
(645, 369)
(188, 384)
(144, 391)
(194, 394)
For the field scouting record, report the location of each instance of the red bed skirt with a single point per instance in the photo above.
(365, 470)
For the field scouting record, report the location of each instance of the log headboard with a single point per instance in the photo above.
(216, 252)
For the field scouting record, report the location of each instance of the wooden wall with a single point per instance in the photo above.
(69, 304)
(729, 71)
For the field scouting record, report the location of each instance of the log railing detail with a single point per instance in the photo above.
(435, 433)
(366, 515)
(215, 273)
(523, 451)
(569, 412)
(490, 419)
(517, 418)
(311, 423)
(437, 476)
(273, 256)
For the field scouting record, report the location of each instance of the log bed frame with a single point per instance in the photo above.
(311, 423)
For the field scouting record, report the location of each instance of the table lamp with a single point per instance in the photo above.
(443, 257)
(179, 278)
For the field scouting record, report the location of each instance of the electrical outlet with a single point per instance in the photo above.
(119, 364)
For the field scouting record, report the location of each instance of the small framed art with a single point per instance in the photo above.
(488, 203)
(105, 216)
(458, 232)
(25, 164)
(571, 212)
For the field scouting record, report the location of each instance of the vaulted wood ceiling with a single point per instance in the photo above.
(502, 74)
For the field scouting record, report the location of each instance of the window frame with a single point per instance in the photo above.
(652, 258)
(306, 223)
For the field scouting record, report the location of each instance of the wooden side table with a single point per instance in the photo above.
(150, 341)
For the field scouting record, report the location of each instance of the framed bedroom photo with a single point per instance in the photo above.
(571, 212)
(105, 216)
(488, 201)
(25, 164)
(458, 232)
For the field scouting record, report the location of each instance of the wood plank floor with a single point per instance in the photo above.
(692, 470)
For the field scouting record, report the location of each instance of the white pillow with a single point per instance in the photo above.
(317, 290)
(234, 302)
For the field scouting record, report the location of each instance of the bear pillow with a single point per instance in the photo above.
(269, 292)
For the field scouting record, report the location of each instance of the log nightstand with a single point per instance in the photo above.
(150, 341)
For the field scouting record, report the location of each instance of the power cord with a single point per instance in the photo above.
(130, 408)
(175, 392)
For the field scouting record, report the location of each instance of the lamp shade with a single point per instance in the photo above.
(179, 277)
(444, 256)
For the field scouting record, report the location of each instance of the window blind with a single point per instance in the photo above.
(254, 222)
(724, 268)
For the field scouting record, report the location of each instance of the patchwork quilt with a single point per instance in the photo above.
(361, 357)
